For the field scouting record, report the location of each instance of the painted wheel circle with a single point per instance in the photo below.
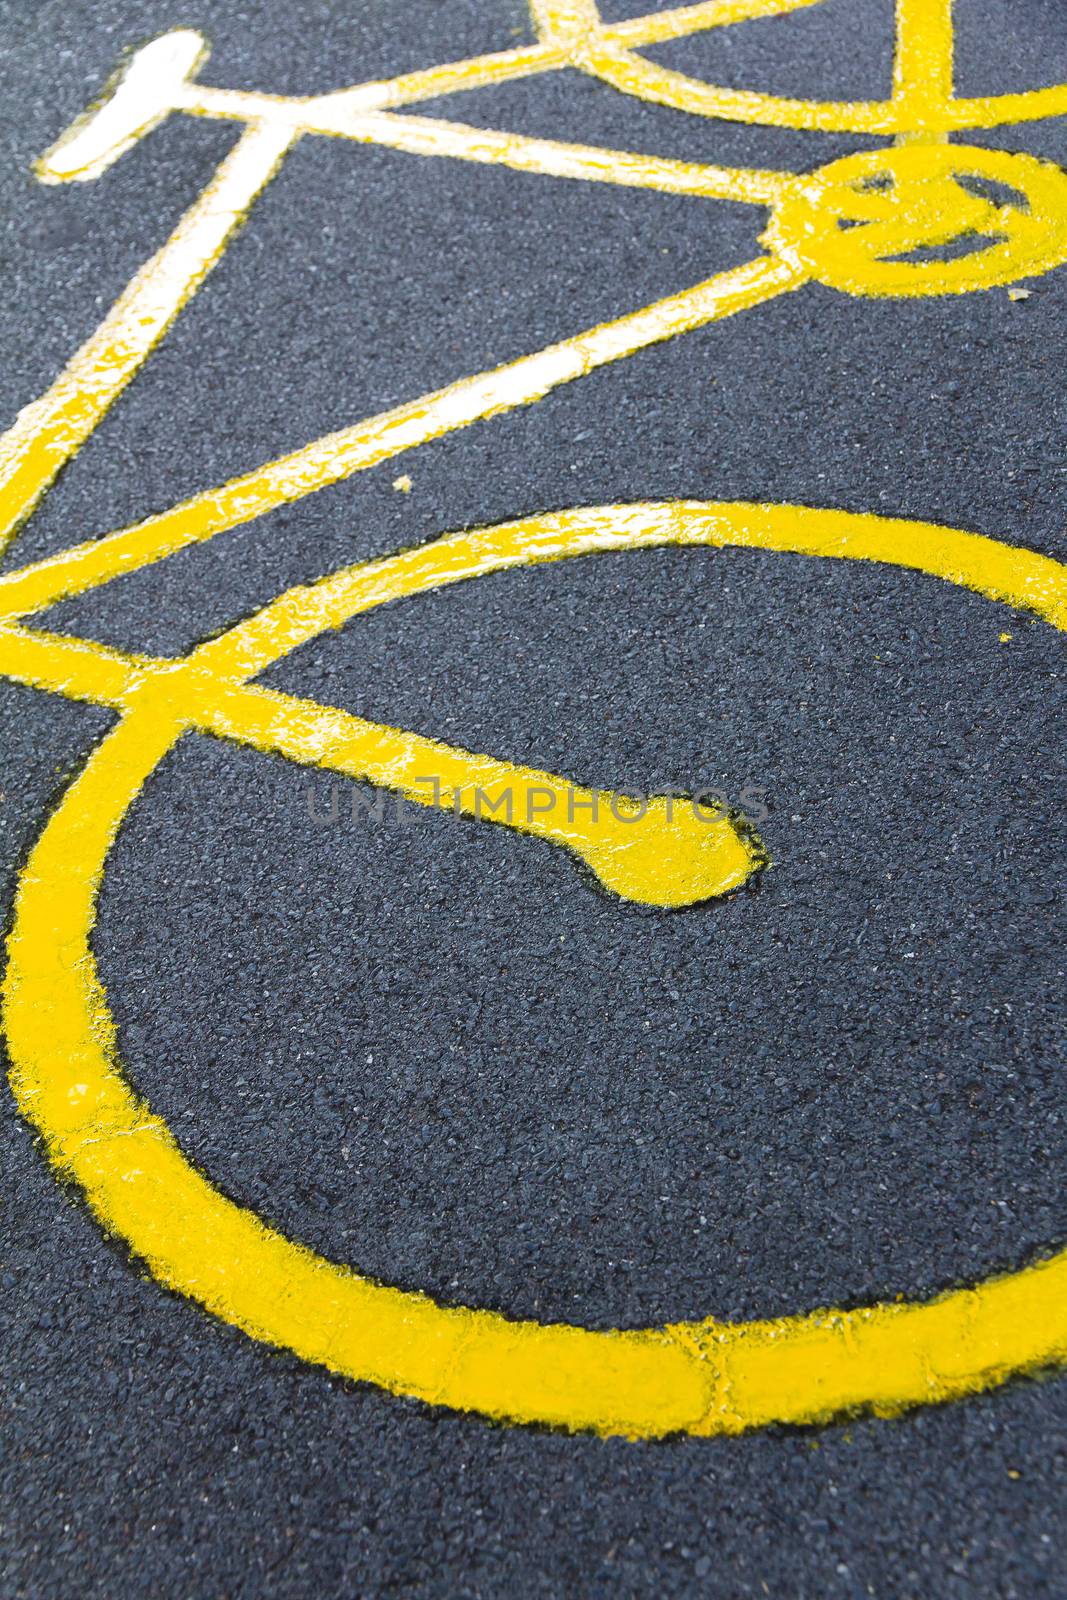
(579, 30)
(701, 1378)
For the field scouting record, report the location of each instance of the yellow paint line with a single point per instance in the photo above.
(681, 21)
(663, 851)
(334, 114)
(315, 113)
(704, 1377)
(660, 852)
(80, 669)
(431, 136)
(565, 22)
(49, 431)
(337, 455)
(476, 72)
(922, 63)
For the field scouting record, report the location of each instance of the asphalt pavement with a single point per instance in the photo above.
(437, 1050)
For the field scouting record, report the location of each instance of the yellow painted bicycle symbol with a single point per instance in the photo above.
(890, 221)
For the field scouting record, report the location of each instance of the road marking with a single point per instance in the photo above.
(852, 224)
(52, 429)
(924, 44)
(376, 439)
(705, 1377)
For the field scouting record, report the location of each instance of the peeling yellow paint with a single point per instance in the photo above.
(852, 225)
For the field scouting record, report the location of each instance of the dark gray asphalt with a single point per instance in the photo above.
(440, 1053)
